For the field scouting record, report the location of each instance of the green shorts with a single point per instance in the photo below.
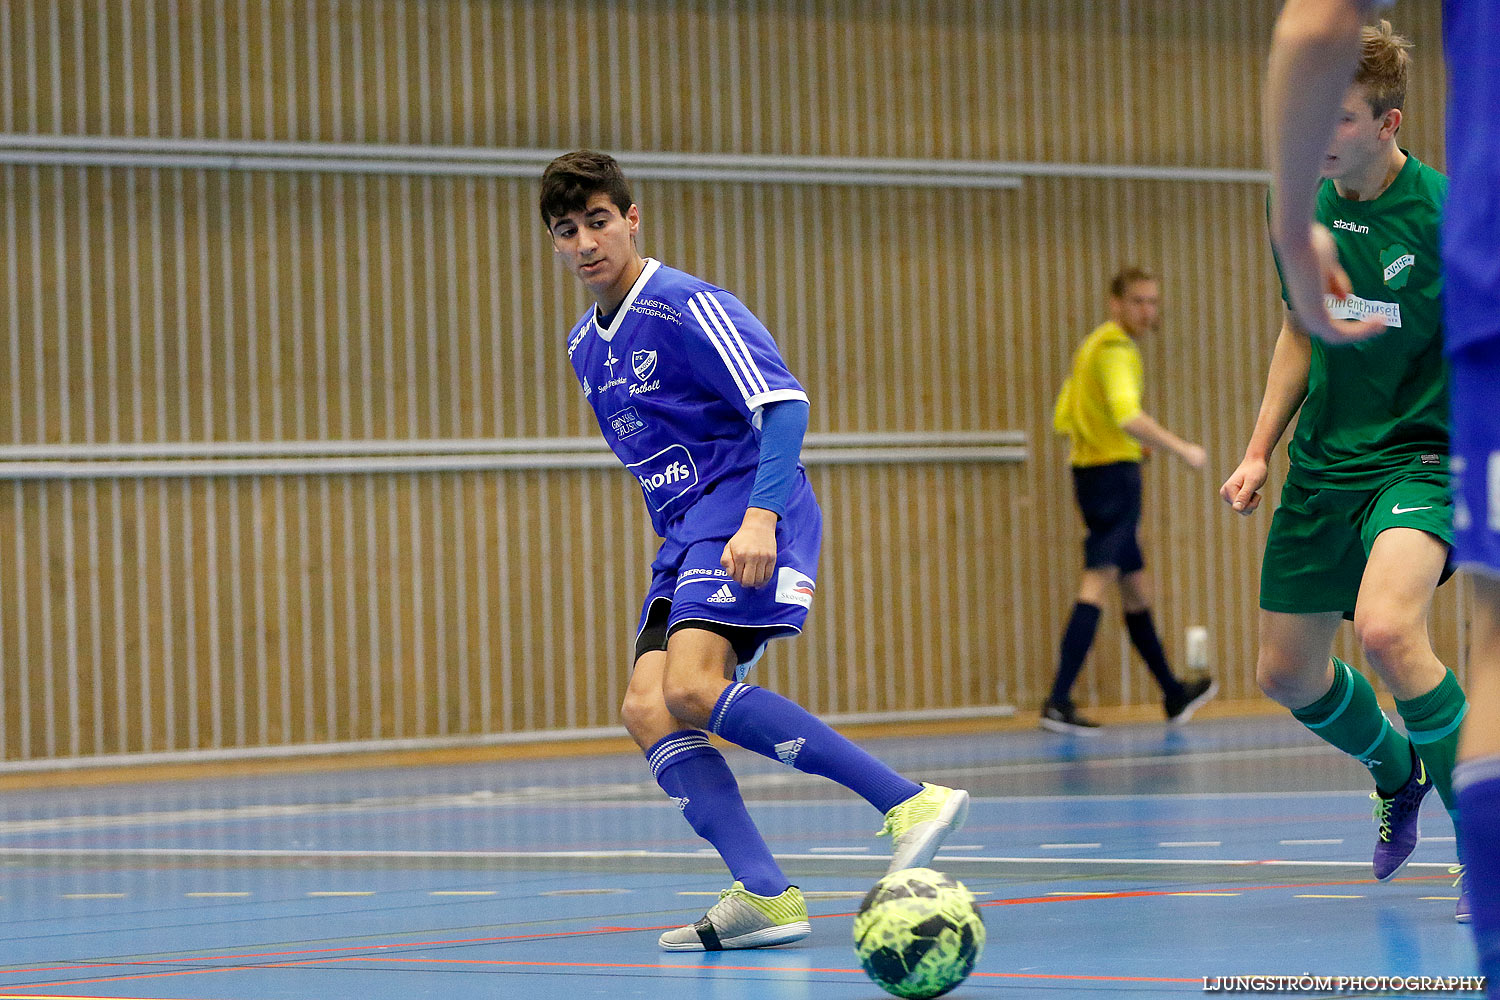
(1321, 538)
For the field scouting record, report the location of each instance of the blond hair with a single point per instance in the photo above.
(1384, 65)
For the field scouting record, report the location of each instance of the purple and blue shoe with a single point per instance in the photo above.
(1463, 913)
(1397, 816)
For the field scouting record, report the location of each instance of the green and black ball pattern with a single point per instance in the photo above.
(918, 933)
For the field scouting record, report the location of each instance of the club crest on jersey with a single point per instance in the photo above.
(1396, 263)
(643, 363)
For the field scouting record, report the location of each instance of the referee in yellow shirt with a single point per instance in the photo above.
(1100, 410)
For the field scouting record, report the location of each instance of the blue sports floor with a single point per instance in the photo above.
(1133, 864)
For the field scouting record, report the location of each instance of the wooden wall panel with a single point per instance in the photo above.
(159, 305)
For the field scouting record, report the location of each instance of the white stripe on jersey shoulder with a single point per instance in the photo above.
(775, 396)
(727, 342)
(635, 289)
(708, 330)
(756, 380)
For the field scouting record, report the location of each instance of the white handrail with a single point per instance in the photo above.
(251, 154)
(457, 446)
(409, 464)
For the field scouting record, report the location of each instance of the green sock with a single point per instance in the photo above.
(1349, 717)
(1432, 721)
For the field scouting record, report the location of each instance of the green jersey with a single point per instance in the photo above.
(1381, 405)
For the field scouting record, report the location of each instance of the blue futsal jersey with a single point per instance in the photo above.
(1471, 34)
(676, 382)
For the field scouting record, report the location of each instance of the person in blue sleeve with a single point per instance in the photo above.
(1313, 54)
(693, 397)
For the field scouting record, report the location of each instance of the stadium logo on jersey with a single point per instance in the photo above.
(722, 596)
(666, 475)
(794, 587)
(789, 749)
(626, 423)
(1350, 227)
(1354, 307)
(1397, 262)
(644, 363)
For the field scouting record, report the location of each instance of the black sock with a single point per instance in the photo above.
(1143, 638)
(1076, 640)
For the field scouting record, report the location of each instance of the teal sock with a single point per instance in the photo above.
(1432, 722)
(1349, 717)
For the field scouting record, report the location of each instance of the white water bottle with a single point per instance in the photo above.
(1197, 647)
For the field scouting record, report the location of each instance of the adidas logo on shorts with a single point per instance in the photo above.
(788, 751)
(721, 596)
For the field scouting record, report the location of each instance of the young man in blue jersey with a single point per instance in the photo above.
(693, 397)
(1314, 51)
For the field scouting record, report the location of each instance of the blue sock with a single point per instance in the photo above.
(774, 727)
(695, 776)
(1476, 784)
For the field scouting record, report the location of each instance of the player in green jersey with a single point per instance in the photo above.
(1363, 530)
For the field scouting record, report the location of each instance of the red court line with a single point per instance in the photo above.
(75, 996)
(372, 952)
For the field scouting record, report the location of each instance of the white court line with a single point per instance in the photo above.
(177, 852)
(836, 850)
(1190, 843)
(1303, 843)
(1439, 840)
(962, 847)
(530, 796)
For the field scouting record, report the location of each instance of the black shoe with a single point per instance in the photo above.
(1195, 694)
(1065, 719)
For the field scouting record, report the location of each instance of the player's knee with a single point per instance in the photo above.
(1282, 679)
(642, 713)
(689, 699)
(1386, 641)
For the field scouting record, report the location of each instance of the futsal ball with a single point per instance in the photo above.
(918, 933)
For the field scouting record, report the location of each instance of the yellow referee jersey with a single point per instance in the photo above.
(1103, 392)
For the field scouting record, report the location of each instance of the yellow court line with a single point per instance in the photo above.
(1442, 899)
(1310, 895)
(93, 895)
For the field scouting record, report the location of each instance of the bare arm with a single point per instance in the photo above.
(1286, 388)
(1144, 428)
(1314, 53)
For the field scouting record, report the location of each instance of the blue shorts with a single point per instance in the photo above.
(1109, 497)
(690, 589)
(1476, 456)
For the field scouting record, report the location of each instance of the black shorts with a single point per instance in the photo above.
(1110, 498)
(747, 641)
